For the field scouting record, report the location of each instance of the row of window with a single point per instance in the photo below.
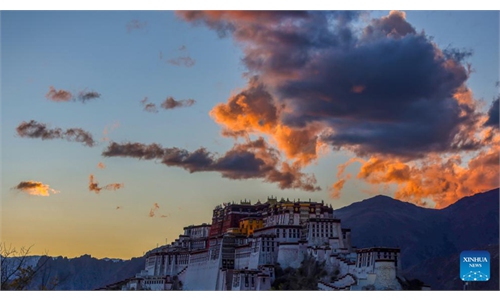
(153, 281)
(292, 233)
(322, 225)
(365, 259)
(317, 234)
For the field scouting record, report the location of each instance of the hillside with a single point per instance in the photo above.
(83, 273)
(425, 234)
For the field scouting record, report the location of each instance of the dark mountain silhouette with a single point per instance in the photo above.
(441, 273)
(424, 234)
(86, 273)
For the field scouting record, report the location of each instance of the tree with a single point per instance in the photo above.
(411, 284)
(304, 278)
(176, 284)
(17, 274)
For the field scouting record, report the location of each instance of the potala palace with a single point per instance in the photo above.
(245, 242)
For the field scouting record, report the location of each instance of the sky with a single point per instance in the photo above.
(119, 128)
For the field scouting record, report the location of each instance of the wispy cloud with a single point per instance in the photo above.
(84, 95)
(94, 186)
(35, 188)
(108, 129)
(254, 159)
(34, 129)
(65, 96)
(149, 106)
(171, 103)
(168, 104)
(100, 165)
(58, 95)
(184, 59)
(155, 210)
(136, 25)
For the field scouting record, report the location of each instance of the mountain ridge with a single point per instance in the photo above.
(424, 234)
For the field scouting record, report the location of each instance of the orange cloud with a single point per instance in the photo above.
(106, 131)
(100, 165)
(58, 95)
(94, 186)
(378, 170)
(154, 210)
(35, 188)
(358, 89)
(253, 111)
(336, 188)
(443, 180)
(306, 93)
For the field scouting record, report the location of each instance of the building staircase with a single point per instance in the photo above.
(182, 271)
(343, 283)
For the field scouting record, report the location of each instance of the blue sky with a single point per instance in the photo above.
(92, 50)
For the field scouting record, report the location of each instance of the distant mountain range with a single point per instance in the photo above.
(429, 239)
(81, 273)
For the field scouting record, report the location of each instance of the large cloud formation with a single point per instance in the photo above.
(384, 92)
(33, 129)
(35, 188)
(253, 159)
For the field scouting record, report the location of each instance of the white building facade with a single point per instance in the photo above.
(245, 243)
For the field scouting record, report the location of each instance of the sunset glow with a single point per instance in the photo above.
(144, 121)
